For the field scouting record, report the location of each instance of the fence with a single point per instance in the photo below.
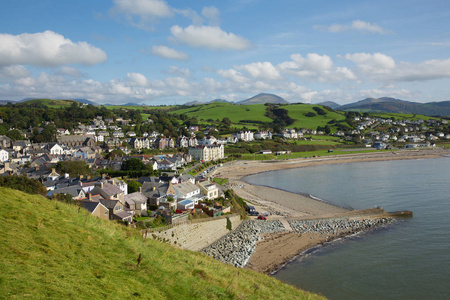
(187, 222)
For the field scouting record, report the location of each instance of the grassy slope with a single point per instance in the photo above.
(220, 110)
(54, 250)
(298, 111)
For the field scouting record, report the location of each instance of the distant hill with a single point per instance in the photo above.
(392, 105)
(54, 250)
(212, 101)
(262, 99)
(330, 104)
(59, 101)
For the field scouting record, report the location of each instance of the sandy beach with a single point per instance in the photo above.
(277, 249)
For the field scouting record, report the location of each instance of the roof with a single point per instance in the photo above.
(185, 187)
(73, 191)
(122, 214)
(108, 203)
(159, 191)
(91, 205)
(186, 202)
(136, 197)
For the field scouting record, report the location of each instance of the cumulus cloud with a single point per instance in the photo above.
(356, 25)
(137, 79)
(212, 14)
(69, 71)
(46, 49)
(14, 71)
(262, 70)
(174, 70)
(211, 37)
(377, 63)
(170, 53)
(315, 67)
(143, 8)
(427, 70)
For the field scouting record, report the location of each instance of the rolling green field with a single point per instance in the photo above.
(53, 250)
(220, 110)
(411, 117)
(298, 111)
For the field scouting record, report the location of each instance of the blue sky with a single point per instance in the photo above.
(165, 52)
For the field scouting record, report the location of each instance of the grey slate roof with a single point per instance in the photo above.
(136, 197)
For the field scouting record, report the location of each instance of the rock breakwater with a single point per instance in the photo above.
(337, 226)
(236, 247)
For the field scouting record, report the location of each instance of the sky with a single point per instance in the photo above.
(158, 52)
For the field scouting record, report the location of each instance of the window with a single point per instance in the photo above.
(106, 212)
(118, 207)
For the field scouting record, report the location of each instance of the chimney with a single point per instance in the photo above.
(140, 189)
(103, 175)
(88, 177)
(154, 188)
(89, 196)
(101, 185)
(53, 171)
(81, 177)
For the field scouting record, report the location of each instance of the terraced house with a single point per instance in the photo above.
(207, 152)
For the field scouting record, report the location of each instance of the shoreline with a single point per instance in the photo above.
(275, 250)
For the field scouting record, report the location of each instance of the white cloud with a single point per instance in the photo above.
(212, 14)
(356, 25)
(427, 70)
(261, 70)
(46, 49)
(137, 79)
(211, 37)
(166, 52)
(69, 71)
(377, 63)
(190, 14)
(14, 71)
(315, 67)
(143, 8)
(174, 70)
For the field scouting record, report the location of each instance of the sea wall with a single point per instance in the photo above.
(195, 236)
(236, 247)
(337, 226)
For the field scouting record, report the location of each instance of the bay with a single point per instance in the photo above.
(407, 260)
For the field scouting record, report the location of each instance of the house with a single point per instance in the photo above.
(185, 204)
(155, 192)
(207, 152)
(263, 135)
(4, 155)
(167, 164)
(265, 152)
(183, 190)
(117, 211)
(140, 202)
(109, 191)
(246, 136)
(208, 189)
(76, 140)
(75, 191)
(96, 208)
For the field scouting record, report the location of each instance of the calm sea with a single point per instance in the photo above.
(407, 260)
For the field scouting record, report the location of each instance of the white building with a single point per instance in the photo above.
(207, 152)
(4, 155)
(246, 136)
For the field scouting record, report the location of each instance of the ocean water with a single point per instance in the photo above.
(407, 260)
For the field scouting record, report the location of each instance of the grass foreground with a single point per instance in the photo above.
(56, 250)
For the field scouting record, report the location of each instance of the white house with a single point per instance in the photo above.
(4, 155)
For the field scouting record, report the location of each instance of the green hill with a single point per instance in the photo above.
(240, 115)
(59, 251)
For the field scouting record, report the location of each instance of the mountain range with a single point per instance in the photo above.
(392, 105)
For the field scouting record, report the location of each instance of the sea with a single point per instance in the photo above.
(409, 259)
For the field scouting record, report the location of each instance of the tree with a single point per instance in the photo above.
(133, 186)
(133, 164)
(74, 168)
(24, 184)
(15, 135)
(229, 224)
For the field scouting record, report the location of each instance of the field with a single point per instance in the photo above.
(53, 250)
(298, 111)
(220, 110)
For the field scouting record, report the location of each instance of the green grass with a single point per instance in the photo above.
(52, 250)
(298, 111)
(220, 181)
(318, 142)
(220, 110)
(248, 156)
(411, 117)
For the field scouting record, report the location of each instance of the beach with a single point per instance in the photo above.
(275, 249)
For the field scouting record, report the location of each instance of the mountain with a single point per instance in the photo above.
(392, 105)
(130, 104)
(194, 103)
(262, 99)
(86, 101)
(330, 104)
(55, 250)
(212, 101)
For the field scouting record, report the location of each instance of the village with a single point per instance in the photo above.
(171, 193)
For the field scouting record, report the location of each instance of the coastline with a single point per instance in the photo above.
(277, 249)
